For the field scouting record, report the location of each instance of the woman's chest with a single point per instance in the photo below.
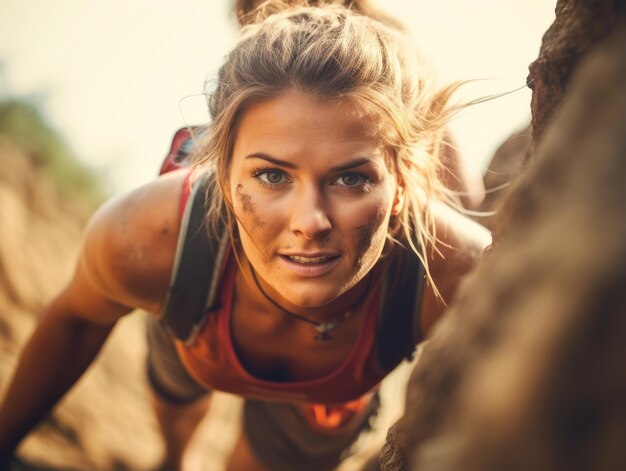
(289, 350)
(258, 354)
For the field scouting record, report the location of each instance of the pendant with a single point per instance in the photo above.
(324, 329)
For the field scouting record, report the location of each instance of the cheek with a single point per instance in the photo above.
(366, 234)
(371, 229)
(246, 211)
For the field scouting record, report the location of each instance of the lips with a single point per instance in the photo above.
(310, 266)
(300, 259)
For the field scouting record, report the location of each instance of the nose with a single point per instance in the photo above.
(310, 218)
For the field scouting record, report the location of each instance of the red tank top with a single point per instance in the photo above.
(213, 362)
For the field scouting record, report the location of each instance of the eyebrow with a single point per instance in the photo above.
(270, 159)
(283, 163)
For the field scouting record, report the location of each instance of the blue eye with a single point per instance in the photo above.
(352, 179)
(271, 177)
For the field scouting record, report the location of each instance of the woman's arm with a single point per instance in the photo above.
(460, 244)
(62, 346)
(125, 261)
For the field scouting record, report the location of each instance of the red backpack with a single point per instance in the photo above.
(181, 149)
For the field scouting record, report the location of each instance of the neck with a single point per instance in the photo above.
(265, 295)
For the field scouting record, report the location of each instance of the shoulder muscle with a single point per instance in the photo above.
(130, 242)
(460, 245)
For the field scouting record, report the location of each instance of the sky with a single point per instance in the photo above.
(117, 78)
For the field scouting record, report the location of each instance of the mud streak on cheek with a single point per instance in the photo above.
(249, 208)
(366, 235)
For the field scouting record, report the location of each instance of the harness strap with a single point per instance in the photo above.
(195, 275)
(398, 330)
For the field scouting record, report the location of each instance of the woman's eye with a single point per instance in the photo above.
(351, 179)
(272, 177)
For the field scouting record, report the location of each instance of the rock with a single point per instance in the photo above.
(526, 370)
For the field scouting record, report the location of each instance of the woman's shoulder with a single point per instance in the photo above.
(460, 244)
(130, 242)
(459, 237)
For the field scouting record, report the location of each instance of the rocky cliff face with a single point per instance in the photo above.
(526, 370)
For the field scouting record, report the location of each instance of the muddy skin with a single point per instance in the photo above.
(248, 207)
(366, 234)
(324, 240)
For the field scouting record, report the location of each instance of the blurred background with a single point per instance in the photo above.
(111, 77)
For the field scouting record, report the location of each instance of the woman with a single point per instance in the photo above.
(323, 146)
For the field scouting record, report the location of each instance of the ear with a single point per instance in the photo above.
(398, 200)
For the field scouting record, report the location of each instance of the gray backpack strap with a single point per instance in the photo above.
(195, 276)
(398, 329)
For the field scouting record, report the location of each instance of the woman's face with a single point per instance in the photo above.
(312, 196)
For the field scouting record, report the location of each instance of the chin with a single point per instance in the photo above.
(310, 298)
(310, 301)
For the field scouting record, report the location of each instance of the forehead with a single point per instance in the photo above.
(303, 116)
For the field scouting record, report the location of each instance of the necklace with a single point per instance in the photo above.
(323, 329)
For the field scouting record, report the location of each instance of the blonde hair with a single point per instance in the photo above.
(249, 11)
(333, 53)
